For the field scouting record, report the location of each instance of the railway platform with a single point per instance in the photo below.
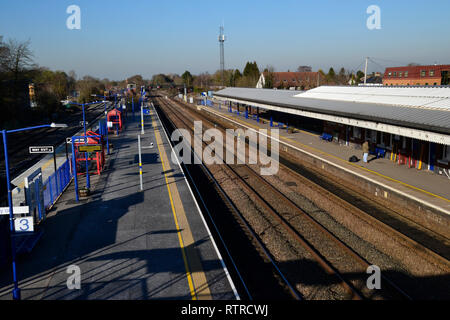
(126, 243)
(426, 195)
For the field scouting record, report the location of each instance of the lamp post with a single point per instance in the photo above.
(16, 290)
(106, 119)
(88, 181)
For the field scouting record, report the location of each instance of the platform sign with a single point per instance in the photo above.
(80, 140)
(16, 210)
(146, 111)
(41, 149)
(90, 148)
(24, 224)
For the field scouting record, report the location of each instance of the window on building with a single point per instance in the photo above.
(356, 133)
(423, 73)
(390, 74)
(431, 73)
(406, 74)
(435, 84)
(395, 73)
(446, 153)
(373, 136)
(400, 74)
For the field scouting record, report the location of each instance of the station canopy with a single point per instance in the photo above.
(418, 112)
(419, 97)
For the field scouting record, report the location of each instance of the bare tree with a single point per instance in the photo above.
(16, 57)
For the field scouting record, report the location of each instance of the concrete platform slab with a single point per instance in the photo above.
(128, 244)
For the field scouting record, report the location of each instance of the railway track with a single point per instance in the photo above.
(329, 269)
(354, 285)
(263, 286)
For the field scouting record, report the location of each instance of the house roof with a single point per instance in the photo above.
(293, 79)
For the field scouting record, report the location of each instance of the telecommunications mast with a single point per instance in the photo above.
(222, 55)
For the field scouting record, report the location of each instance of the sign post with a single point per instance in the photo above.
(142, 118)
(56, 169)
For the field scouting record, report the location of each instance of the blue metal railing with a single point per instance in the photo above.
(56, 183)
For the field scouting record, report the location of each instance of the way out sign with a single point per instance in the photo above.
(16, 210)
(41, 149)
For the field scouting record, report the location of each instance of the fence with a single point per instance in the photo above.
(56, 184)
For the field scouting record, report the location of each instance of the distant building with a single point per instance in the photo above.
(373, 79)
(435, 75)
(304, 69)
(290, 80)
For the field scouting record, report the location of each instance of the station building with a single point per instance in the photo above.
(435, 75)
(410, 125)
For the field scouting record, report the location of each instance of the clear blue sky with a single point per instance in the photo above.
(122, 38)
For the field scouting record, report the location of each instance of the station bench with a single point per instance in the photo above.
(326, 136)
(379, 152)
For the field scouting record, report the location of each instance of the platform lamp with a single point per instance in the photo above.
(16, 290)
(106, 119)
(88, 181)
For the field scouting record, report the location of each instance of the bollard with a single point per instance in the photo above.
(140, 162)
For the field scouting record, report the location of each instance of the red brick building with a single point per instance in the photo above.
(435, 75)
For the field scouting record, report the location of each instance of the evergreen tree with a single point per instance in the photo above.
(331, 74)
(187, 78)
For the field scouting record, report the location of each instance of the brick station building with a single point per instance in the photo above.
(434, 75)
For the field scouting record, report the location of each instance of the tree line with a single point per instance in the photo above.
(250, 75)
(49, 88)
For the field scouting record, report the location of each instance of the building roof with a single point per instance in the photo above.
(419, 108)
(293, 79)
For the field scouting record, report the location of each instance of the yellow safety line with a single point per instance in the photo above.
(180, 239)
(346, 162)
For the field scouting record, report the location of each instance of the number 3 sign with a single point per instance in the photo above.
(25, 224)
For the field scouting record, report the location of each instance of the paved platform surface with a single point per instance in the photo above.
(128, 244)
(422, 185)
